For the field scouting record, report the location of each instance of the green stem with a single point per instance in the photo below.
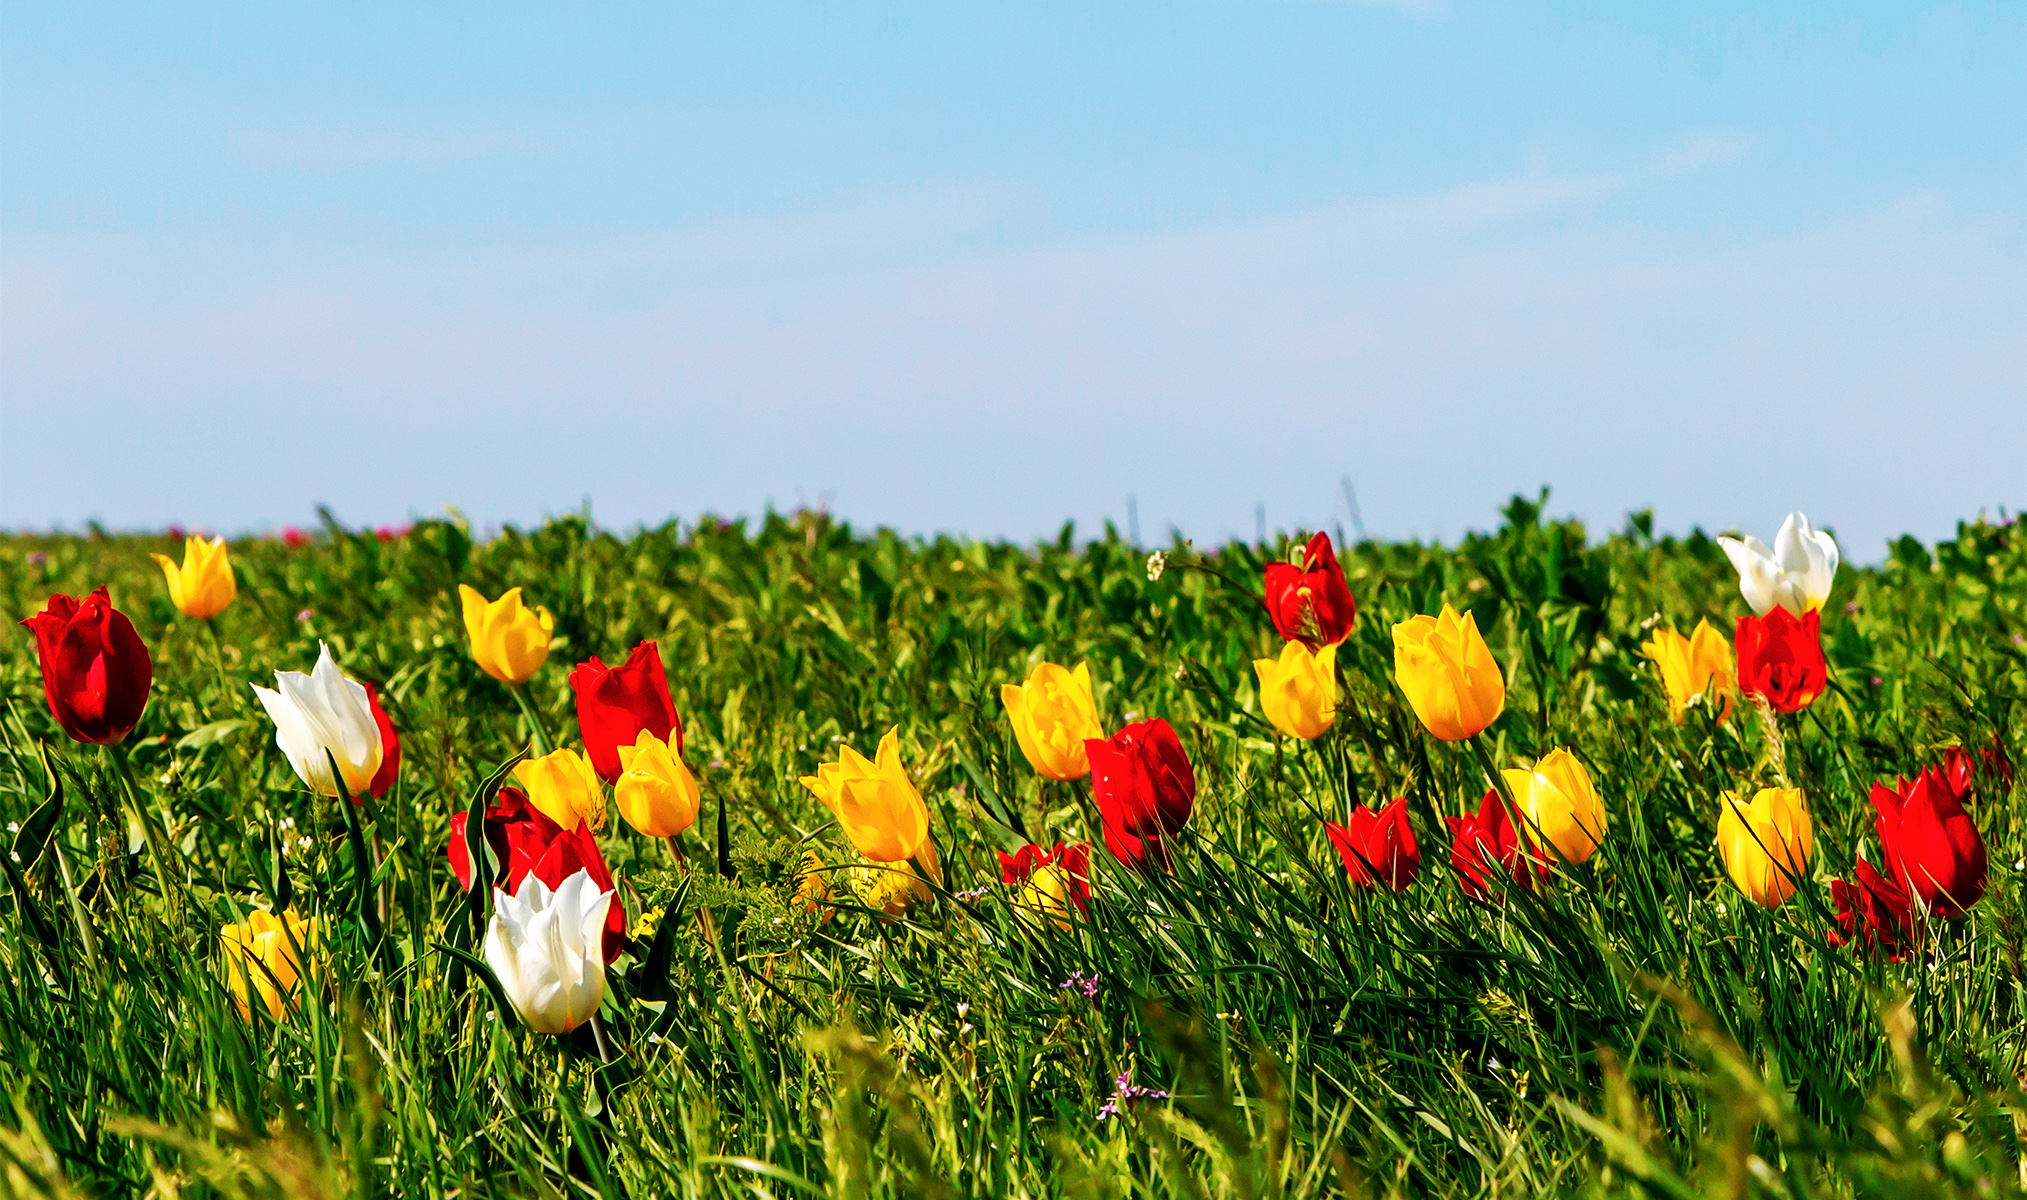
(541, 735)
(1513, 813)
(218, 662)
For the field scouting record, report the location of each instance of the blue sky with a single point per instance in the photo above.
(982, 267)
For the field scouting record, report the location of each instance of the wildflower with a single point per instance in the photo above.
(526, 843)
(1765, 843)
(562, 785)
(509, 640)
(1087, 984)
(1795, 574)
(1309, 602)
(203, 585)
(1053, 715)
(1448, 673)
(1560, 804)
(1378, 847)
(540, 945)
(323, 716)
(1487, 843)
(1933, 849)
(1692, 667)
(1781, 658)
(615, 704)
(1298, 691)
(1157, 562)
(1125, 1091)
(874, 801)
(96, 673)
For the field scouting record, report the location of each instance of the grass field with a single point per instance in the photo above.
(1635, 1026)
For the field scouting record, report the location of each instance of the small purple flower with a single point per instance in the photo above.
(1078, 980)
(39, 560)
(305, 615)
(972, 894)
(1877, 680)
(1851, 606)
(1125, 1090)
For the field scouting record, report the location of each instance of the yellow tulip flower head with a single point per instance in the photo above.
(874, 801)
(1691, 665)
(655, 792)
(1053, 714)
(1298, 691)
(563, 786)
(1045, 899)
(203, 585)
(1766, 843)
(1448, 672)
(509, 639)
(1560, 804)
(812, 884)
(265, 951)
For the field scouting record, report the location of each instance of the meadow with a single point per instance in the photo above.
(1235, 1016)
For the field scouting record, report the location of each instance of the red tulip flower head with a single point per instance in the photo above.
(95, 669)
(1873, 912)
(1311, 603)
(1488, 844)
(1378, 847)
(1142, 779)
(530, 843)
(615, 703)
(1932, 846)
(1991, 765)
(1073, 861)
(1781, 658)
(390, 745)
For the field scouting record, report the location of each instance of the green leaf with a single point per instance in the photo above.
(35, 832)
(503, 1007)
(655, 972)
(212, 734)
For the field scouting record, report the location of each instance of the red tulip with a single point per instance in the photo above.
(95, 669)
(1781, 658)
(615, 703)
(1142, 779)
(1932, 846)
(1311, 604)
(1964, 771)
(390, 745)
(1873, 912)
(529, 842)
(1015, 868)
(1378, 847)
(1488, 844)
(1135, 852)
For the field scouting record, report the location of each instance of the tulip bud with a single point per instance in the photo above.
(1378, 847)
(1311, 603)
(509, 640)
(1487, 844)
(615, 704)
(1692, 667)
(874, 801)
(543, 948)
(1142, 780)
(1781, 658)
(563, 787)
(267, 951)
(1560, 804)
(96, 672)
(1932, 845)
(203, 585)
(1053, 715)
(323, 713)
(1765, 844)
(656, 793)
(1298, 691)
(1795, 574)
(1448, 673)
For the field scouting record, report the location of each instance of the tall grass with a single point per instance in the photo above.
(1637, 1028)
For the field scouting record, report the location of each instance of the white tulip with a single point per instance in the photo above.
(319, 712)
(547, 950)
(1795, 574)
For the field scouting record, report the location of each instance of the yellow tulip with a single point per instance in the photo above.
(203, 585)
(509, 640)
(1691, 665)
(1298, 691)
(812, 884)
(564, 788)
(1053, 713)
(655, 792)
(1765, 844)
(1448, 673)
(1044, 900)
(265, 950)
(875, 803)
(1560, 804)
(895, 889)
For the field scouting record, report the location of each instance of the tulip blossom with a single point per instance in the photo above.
(1311, 603)
(1487, 844)
(390, 745)
(812, 887)
(1932, 845)
(1448, 673)
(96, 672)
(1053, 715)
(509, 640)
(1561, 806)
(1874, 913)
(1050, 882)
(894, 888)
(563, 787)
(1693, 667)
(1781, 658)
(1129, 850)
(1298, 691)
(1991, 764)
(203, 585)
(321, 716)
(615, 704)
(1142, 780)
(266, 950)
(1795, 574)
(874, 801)
(1765, 842)
(1378, 847)
(543, 948)
(530, 844)
(656, 793)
